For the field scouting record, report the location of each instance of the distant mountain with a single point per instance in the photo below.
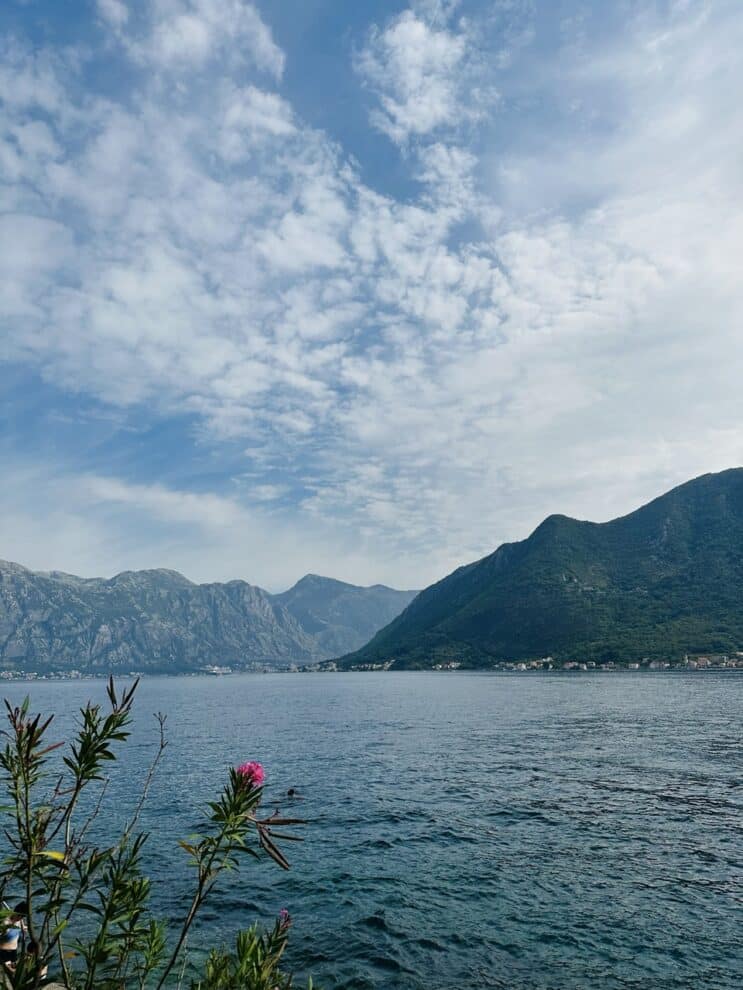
(665, 580)
(341, 617)
(158, 620)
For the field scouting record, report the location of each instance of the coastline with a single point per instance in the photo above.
(33, 677)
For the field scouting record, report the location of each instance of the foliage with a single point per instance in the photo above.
(661, 582)
(254, 964)
(87, 905)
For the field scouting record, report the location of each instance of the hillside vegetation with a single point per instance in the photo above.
(665, 580)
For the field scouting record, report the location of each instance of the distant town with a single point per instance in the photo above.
(711, 661)
(707, 661)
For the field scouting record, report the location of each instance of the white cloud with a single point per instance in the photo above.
(415, 68)
(208, 537)
(432, 375)
(114, 12)
(35, 249)
(208, 511)
(30, 81)
(249, 115)
(187, 34)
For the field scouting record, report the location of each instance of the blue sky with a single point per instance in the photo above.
(363, 289)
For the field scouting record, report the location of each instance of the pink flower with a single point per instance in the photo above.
(252, 773)
(284, 918)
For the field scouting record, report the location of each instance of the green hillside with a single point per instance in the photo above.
(665, 580)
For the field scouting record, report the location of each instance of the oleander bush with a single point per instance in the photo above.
(87, 922)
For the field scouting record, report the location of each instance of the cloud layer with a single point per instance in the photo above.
(550, 322)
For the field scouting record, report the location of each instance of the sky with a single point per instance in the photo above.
(360, 289)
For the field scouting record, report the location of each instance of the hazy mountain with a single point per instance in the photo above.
(159, 620)
(664, 580)
(341, 617)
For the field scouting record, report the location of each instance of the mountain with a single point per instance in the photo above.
(665, 580)
(158, 620)
(341, 617)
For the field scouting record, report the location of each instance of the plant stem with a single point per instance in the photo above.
(202, 890)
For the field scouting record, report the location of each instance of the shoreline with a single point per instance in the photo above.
(33, 677)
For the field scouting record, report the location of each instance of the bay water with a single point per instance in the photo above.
(520, 831)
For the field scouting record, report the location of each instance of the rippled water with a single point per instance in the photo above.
(469, 830)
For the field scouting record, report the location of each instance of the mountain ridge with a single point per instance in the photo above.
(158, 620)
(665, 578)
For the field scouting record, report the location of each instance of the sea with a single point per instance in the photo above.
(523, 831)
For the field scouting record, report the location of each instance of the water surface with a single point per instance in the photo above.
(541, 831)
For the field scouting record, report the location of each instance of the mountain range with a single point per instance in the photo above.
(663, 581)
(158, 620)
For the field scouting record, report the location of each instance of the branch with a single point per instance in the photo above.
(150, 775)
